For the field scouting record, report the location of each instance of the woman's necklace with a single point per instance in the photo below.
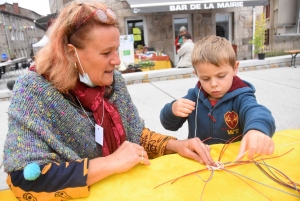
(88, 115)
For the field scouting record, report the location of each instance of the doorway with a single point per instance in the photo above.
(137, 27)
(224, 25)
(179, 21)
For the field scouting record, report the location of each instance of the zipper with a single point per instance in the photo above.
(210, 111)
(212, 117)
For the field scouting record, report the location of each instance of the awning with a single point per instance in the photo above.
(42, 22)
(42, 42)
(150, 6)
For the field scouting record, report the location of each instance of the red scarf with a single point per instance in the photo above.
(93, 99)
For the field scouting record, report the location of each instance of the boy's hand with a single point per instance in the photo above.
(183, 107)
(256, 142)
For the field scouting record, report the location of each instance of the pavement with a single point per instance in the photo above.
(276, 88)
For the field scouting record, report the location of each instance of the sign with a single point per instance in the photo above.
(150, 6)
(200, 6)
(126, 49)
(4, 56)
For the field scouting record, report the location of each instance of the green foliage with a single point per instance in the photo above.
(147, 64)
(272, 53)
(259, 35)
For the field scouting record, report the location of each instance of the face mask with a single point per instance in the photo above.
(85, 77)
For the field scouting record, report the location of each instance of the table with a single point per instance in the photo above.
(161, 62)
(293, 54)
(139, 182)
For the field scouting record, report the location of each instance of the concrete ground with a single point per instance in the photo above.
(277, 88)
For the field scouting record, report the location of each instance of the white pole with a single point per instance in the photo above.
(253, 30)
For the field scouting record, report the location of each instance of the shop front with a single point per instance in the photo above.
(156, 23)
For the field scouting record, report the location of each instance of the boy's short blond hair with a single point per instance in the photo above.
(215, 50)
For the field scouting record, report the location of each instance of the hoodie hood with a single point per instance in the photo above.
(238, 87)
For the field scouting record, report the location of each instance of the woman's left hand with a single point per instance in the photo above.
(191, 148)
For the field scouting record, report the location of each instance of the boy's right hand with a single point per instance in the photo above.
(183, 107)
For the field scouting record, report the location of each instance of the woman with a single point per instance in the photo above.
(178, 41)
(71, 119)
(185, 52)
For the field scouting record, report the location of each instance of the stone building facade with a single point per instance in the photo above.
(18, 31)
(283, 22)
(159, 29)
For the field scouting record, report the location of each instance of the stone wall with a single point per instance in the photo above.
(286, 38)
(243, 32)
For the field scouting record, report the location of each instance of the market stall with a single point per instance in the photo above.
(160, 62)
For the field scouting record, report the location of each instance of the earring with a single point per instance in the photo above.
(75, 65)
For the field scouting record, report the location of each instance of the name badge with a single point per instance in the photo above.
(99, 134)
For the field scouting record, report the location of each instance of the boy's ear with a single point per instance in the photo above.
(195, 72)
(236, 67)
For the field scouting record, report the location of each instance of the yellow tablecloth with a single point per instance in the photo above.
(159, 65)
(139, 182)
(164, 64)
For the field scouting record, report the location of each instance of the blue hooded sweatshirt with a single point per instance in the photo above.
(234, 114)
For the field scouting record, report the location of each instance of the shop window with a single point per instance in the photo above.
(220, 31)
(180, 22)
(12, 37)
(21, 35)
(17, 35)
(137, 34)
(136, 27)
(224, 25)
(267, 32)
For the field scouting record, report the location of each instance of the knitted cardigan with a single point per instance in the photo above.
(132, 123)
(45, 127)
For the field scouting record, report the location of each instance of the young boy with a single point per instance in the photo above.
(221, 105)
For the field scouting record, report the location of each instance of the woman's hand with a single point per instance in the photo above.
(256, 142)
(191, 148)
(127, 156)
(183, 107)
(123, 159)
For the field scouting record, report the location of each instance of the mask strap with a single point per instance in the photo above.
(79, 60)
